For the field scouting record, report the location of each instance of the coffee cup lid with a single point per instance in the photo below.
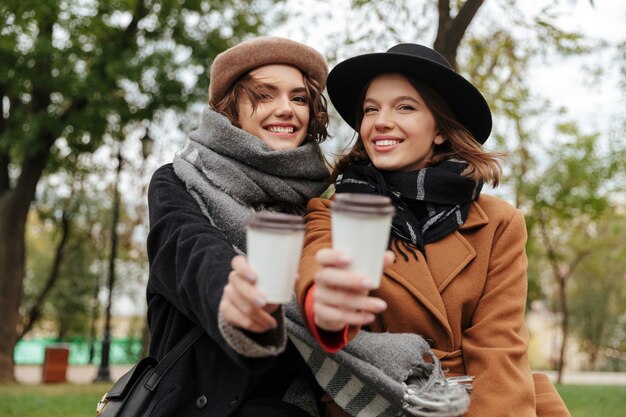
(370, 204)
(277, 221)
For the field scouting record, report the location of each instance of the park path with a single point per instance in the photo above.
(82, 374)
(85, 374)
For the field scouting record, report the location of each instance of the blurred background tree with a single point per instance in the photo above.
(598, 294)
(568, 204)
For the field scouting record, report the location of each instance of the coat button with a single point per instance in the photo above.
(201, 401)
(234, 402)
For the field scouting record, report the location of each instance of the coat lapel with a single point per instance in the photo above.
(447, 257)
(416, 278)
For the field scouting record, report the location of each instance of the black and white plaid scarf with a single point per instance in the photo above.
(430, 203)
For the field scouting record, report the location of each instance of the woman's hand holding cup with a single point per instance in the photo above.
(257, 285)
(340, 296)
(242, 304)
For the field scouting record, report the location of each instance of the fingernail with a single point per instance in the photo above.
(260, 301)
(249, 276)
(366, 283)
(345, 258)
(380, 305)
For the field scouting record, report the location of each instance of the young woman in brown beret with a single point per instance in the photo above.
(459, 274)
(256, 148)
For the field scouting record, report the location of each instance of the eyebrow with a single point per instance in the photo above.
(395, 100)
(273, 87)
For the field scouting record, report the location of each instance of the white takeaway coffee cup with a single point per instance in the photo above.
(361, 224)
(274, 244)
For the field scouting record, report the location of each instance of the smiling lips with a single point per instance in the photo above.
(281, 129)
(385, 144)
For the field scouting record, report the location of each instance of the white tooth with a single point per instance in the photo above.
(387, 142)
(280, 129)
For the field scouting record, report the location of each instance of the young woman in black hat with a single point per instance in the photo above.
(459, 274)
(256, 149)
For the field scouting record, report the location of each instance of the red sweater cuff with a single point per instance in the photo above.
(331, 341)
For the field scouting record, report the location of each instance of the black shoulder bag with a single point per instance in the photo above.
(133, 394)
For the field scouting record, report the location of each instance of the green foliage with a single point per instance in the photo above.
(80, 70)
(71, 299)
(573, 200)
(576, 184)
(69, 304)
(598, 294)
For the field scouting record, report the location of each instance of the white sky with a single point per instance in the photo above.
(566, 83)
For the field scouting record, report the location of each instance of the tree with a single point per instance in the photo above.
(598, 292)
(69, 211)
(35, 309)
(570, 195)
(78, 72)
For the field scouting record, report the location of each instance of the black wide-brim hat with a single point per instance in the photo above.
(347, 80)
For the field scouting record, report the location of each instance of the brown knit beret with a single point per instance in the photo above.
(241, 58)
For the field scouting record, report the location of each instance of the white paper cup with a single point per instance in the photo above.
(274, 245)
(361, 224)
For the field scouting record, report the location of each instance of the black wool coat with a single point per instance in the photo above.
(189, 267)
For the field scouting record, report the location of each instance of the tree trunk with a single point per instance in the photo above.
(11, 276)
(593, 357)
(14, 206)
(564, 328)
(95, 310)
(451, 30)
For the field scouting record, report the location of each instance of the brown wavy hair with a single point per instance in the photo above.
(459, 143)
(256, 92)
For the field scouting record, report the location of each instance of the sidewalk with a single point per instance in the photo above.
(589, 378)
(86, 374)
(76, 374)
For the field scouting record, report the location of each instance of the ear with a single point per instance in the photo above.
(439, 139)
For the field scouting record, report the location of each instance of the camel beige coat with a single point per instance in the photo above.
(468, 300)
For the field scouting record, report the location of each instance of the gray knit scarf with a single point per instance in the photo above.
(380, 374)
(231, 174)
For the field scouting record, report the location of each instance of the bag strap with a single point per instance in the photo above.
(173, 356)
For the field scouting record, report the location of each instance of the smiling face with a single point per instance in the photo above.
(398, 130)
(282, 117)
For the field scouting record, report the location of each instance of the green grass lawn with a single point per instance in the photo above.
(68, 400)
(594, 400)
(52, 400)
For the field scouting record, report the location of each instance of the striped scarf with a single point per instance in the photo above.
(380, 374)
(430, 203)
